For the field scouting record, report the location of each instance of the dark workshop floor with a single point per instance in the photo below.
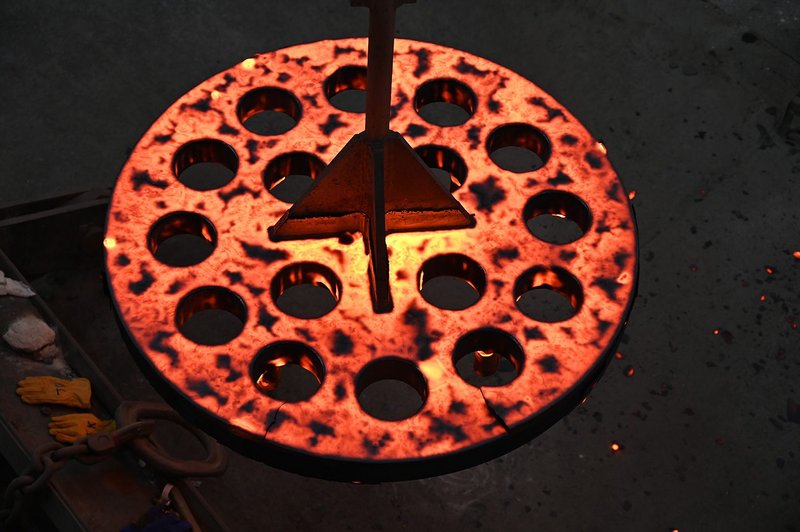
(685, 94)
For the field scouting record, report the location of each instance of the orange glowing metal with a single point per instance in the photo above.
(329, 435)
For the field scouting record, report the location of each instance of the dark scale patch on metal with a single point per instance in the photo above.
(332, 124)
(143, 178)
(320, 429)
(157, 344)
(503, 411)
(560, 179)
(276, 418)
(414, 130)
(552, 113)
(505, 318)
(342, 343)
(609, 286)
(340, 391)
(534, 333)
(494, 105)
(161, 204)
(255, 290)
(374, 447)
(302, 60)
(567, 256)
(229, 78)
(498, 285)
(467, 68)
(312, 99)
(423, 61)
(457, 407)
(203, 105)
(621, 259)
(488, 194)
(252, 150)
(603, 325)
(146, 281)
(201, 206)
(594, 160)
(443, 428)
(474, 136)
(305, 333)
(402, 101)
(248, 407)
(613, 192)
(418, 319)
(225, 129)
(568, 331)
(202, 388)
(175, 287)
(284, 77)
(265, 319)
(163, 139)
(569, 140)
(339, 50)
(505, 254)
(549, 364)
(254, 251)
(323, 148)
(224, 362)
(241, 190)
(233, 277)
(123, 260)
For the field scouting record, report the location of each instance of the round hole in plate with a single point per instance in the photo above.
(269, 111)
(445, 102)
(287, 371)
(548, 294)
(488, 357)
(205, 164)
(446, 164)
(518, 147)
(306, 290)
(391, 388)
(289, 176)
(182, 239)
(346, 89)
(451, 281)
(557, 217)
(211, 315)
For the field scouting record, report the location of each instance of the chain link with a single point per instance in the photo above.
(50, 458)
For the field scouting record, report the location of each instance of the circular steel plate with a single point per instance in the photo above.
(329, 435)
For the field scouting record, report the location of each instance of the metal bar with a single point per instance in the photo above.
(380, 61)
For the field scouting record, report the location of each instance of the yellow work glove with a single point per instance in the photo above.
(52, 390)
(72, 427)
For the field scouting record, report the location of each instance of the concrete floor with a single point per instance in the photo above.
(685, 94)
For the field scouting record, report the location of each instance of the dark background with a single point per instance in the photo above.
(686, 95)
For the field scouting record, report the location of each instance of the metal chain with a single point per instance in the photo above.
(50, 458)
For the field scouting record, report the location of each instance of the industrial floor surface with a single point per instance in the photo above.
(687, 95)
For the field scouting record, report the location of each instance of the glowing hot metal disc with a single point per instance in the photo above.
(228, 387)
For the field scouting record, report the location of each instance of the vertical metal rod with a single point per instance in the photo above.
(380, 60)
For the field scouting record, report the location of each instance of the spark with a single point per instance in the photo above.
(249, 63)
(615, 447)
(716, 332)
(632, 195)
(602, 148)
(762, 298)
(629, 371)
(109, 243)
(618, 355)
(215, 95)
(770, 270)
(796, 254)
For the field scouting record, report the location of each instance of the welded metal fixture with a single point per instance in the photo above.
(374, 233)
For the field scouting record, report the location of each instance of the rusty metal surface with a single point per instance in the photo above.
(329, 435)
